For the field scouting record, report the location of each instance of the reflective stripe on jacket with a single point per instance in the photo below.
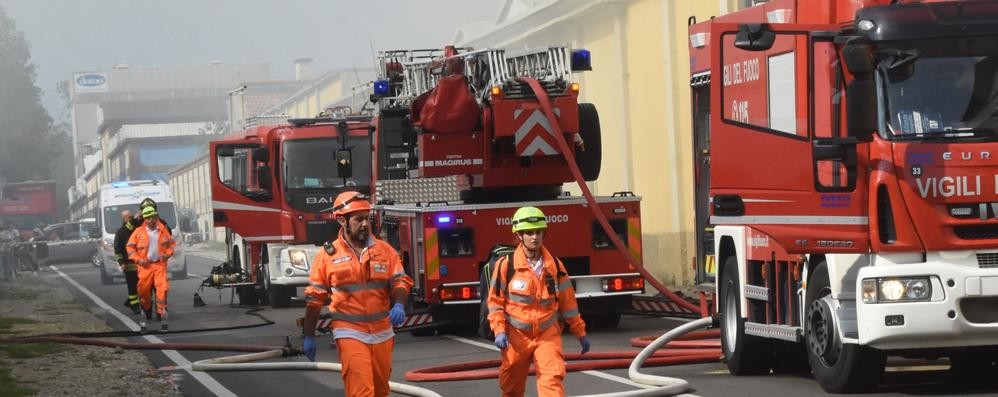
(525, 302)
(359, 292)
(138, 243)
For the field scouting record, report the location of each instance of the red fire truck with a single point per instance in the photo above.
(463, 138)
(846, 184)
(26, 204)
(270, 188)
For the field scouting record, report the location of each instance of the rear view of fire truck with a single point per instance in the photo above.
(462, 140)
(845, 156)
(271, 186)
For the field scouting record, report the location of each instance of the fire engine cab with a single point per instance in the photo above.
(271, 185)
(463, 138)
(846, 156)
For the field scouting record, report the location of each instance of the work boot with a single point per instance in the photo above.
(136, 309)
(127, 303)
(163, 328)
(148, 314)
(159, 317)
(142, 325)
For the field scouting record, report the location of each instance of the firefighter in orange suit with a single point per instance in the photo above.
(525, 305)
(150, 247)
(362, 280)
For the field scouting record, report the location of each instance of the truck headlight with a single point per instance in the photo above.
(298, 259)
(886, 290)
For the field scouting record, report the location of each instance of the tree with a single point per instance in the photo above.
(26, 147)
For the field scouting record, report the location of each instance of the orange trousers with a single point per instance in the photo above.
(544, 350)
(153, 274)
(366, 368)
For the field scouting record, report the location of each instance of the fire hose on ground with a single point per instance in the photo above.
(242, 362)
(666, 386)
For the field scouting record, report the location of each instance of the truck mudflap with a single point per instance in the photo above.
(418, 319)
(661, 306)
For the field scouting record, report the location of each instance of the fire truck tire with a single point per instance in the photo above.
(277, 295)
(247, 294)
(605, 320)
(838, 367)
(744, 354)
(589, 160)
(104, 277)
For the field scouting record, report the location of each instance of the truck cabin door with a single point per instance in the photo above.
(780, 160)
(243, 198)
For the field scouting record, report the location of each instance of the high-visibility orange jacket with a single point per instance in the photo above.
(359, 290)
(138, 243)
(528, 301)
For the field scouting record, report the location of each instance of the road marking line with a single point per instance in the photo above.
(597, 374)
(192, 275)
(210, 383)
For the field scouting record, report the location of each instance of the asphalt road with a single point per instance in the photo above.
(417, 352)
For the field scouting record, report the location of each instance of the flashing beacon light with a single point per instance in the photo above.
(581, 60)
(380, 88)
(444, 219)
(120, 184)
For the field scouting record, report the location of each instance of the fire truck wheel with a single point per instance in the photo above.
(589, 160)
(838, 367)
(247, 294)
(277, 295)
(744, 354)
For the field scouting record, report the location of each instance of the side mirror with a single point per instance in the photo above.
(261, 154)
(225, 151)
(861, 109)
(344, 163)
(754, 37)
(264, 179)
(858, 59)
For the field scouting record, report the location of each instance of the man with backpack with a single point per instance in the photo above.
(530, 293)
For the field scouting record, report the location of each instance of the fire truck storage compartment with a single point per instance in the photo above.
(396, 144)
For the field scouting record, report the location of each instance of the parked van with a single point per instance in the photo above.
(126, 195)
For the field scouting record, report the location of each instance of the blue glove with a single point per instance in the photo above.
(309, 347)
(501, 340)
(397, 314)
(584, 342)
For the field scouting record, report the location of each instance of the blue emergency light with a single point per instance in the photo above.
(120, 184)
(581, 60)
(443, 219)
(380, 88)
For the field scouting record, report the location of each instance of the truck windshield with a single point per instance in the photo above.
(311, 163)
(941, 90)
(112, 215)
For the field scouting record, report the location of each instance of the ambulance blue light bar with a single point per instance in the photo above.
(444, 219)
(581, 60)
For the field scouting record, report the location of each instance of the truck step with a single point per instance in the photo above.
(660, 306)
(783, 332)
(756, 292)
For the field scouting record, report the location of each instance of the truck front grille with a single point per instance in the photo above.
(980, 310)
(987, 261)
(976, 232)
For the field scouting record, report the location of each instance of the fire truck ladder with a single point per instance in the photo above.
(420, 70)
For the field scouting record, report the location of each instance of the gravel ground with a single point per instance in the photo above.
(33, 305)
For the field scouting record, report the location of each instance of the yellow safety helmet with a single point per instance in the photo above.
(529, 218)
(149, 212)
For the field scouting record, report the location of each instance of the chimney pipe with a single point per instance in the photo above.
(302, 69)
